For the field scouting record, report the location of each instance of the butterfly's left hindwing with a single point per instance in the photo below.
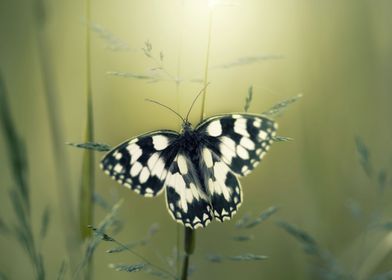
(141, 163)
(186, 198)
(240, 140)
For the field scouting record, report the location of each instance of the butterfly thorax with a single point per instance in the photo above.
(190, 142)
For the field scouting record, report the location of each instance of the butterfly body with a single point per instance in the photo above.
(198, 167)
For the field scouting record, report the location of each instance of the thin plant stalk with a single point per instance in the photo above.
(189, 248)
(86, 204)
(87, 180)
(207, 62)
(179, 55)
(190, 234)
(65, 199)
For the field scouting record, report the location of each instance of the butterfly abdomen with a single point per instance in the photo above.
(191, 146)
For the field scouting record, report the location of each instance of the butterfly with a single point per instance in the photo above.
(199, 168)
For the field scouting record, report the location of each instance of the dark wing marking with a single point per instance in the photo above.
(186, 200)
(141, 163)
(241, 140)
(222, 184)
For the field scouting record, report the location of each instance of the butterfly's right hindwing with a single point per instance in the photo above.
(141, 163)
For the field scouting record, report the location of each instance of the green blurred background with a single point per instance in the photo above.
(337, 53)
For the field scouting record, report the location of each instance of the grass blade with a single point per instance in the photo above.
(45, 220)
(308, 243)
(3, 276)
(128, 267)
(242, 238)
(364, 156)
(15, 147)
(99, 147)
(248, 99)
(62, 271)
(278, 109)
(247, 60)
(282, 139)
(248, 257)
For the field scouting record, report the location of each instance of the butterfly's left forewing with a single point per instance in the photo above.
(141, 163)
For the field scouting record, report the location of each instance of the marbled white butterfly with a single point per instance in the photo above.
(198, 167)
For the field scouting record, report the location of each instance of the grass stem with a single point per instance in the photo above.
(65, 199)
(207, 61)
(189, 248)
(87, 186)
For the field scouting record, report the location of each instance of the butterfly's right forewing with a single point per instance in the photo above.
(142, 163)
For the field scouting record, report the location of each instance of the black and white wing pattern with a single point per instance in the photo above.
(141, 163)
(186, 198)
(199, 168)
(239, 140)
(223, 186)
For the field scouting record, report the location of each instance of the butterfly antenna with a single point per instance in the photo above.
(167, 107)
(194, 100)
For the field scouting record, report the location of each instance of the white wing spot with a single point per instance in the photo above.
(118, 168)
(214, 128)
(247, 143)
(149, 190)
(227, 148)
(135, 152)
(257, 123)
(205, 217)
(134, 140)
(143, 177)
(182, 165)
(198, 225)
(118, 155)
(135, 169)
(207, 157)
(152, 161)
(262, 134)
(240, 127)
(160, 142)
(242, 152)
(158, 168)
(219, 187)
